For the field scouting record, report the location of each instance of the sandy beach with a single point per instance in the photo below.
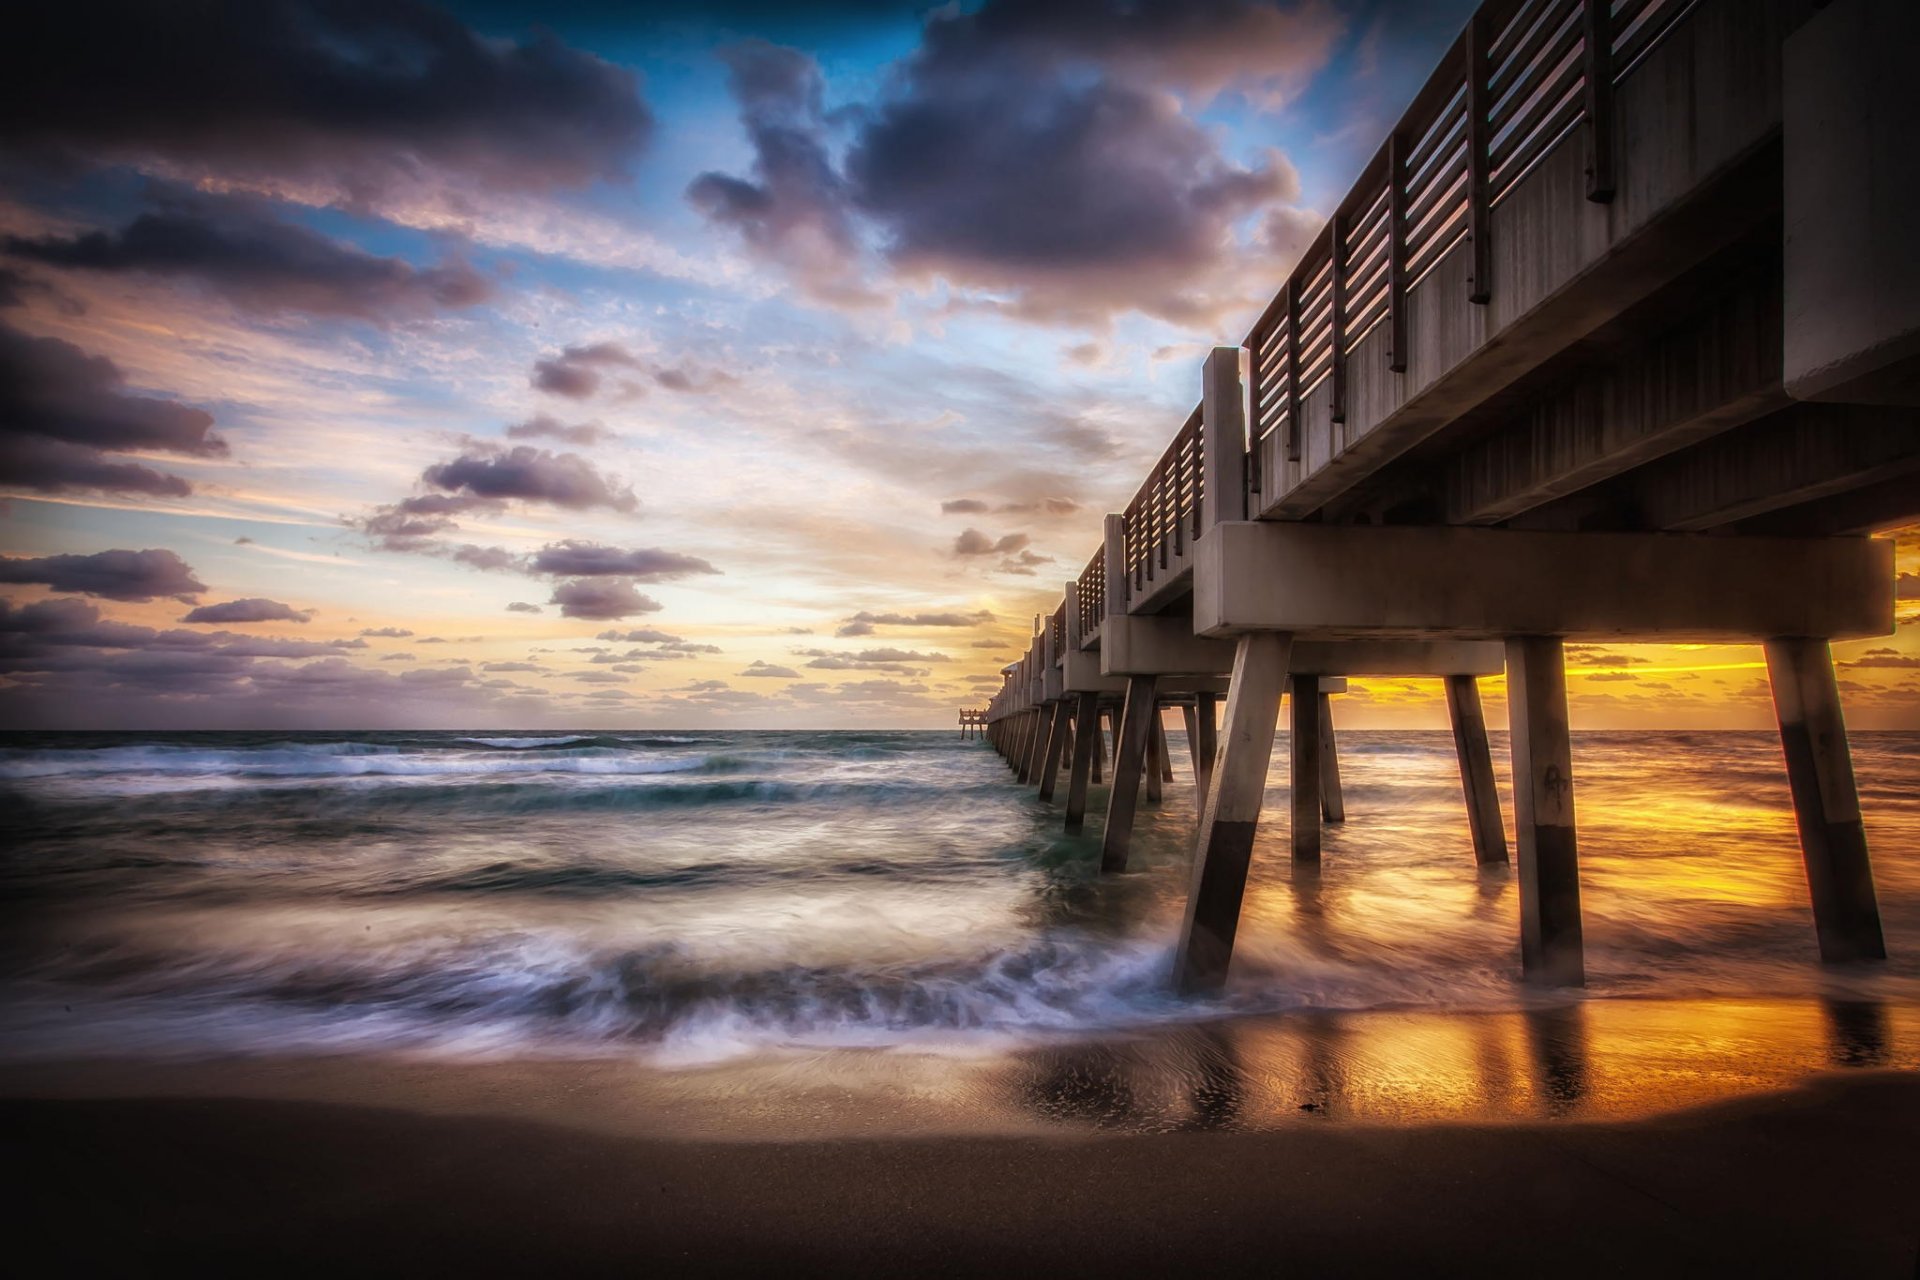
(1823, 1179)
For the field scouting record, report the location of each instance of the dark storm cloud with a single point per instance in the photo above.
(527, 474)
(63, 413)
(365, 95)
(250, 609)
(576, 559)
(112, 575)
(237, 248)
(542, 427)
(601, 600)
(1037, 149)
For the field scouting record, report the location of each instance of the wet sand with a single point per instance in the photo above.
(1819, 1180)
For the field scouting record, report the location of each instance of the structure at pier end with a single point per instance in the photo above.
(1617, 337)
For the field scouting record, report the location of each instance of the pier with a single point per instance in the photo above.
(1616, 337)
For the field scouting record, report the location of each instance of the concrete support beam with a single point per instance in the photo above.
(1343, 580)
(1476, 771)
(1801, 455)
(1826, 805)
(1224, 846)
(1551, 951)
(1059, 726)
(1129, 761)
(1303, 749)
(1086, 747)
(1034, 747)
(1333, 802)
(1166, 756)
(1712, 372)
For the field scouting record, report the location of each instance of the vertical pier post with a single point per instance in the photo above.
(1209, 746)
(1333, 801)
(1166, 756)
(1190, 716)
(1156, 757)
(1086, 746)
(1826, 804)
(1551, 950)
(1129, 762)
(1057, 732)
(1476, 771)
(1099, 735)
(1303, 749)
(1036, 747)
(1224, 845)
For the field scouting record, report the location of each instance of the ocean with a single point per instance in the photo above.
(694, 899)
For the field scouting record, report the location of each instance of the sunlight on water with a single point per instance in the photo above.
(686, 899)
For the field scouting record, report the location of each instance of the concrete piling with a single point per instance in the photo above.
(1550, 935)
(1476, 771)
(1333, 802)
(1129, 762)
(1224, 845)
(1156, 757)
(1303, 749)
(1826, 804)
(1086, 751)
(1058, 728)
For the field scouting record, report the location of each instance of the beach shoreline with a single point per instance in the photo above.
(1822, 1178)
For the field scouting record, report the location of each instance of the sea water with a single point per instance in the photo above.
(692, 898)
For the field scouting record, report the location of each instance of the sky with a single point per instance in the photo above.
(599, 364)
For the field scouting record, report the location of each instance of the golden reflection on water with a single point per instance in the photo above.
(1583, 1061)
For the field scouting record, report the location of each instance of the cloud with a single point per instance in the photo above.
(541, 426)
(575, 372)
(972, 542)
(1906, 586)
(386, 633)
(1041, 154)
(111, 575)
(864, 622)
(527, 474)
(1885, 659)
(250, 609)
(964, 506)
(795, 209)
(573, 558)
(239, 250)
(601, 599)
(642, 635)
(522, 606)
(578, 372)
(64, 412)
(769, 671)
(511, 666)
(359, 100)
(899, 662)
(481, 481)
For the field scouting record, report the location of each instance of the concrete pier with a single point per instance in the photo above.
(1586, 354)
